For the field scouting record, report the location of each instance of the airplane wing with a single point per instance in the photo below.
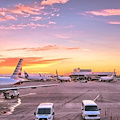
(25, 87)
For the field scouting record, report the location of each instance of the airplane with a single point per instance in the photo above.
(7, 85)
(63, 78)
(47, 78)
(108, 78)
(33, 78)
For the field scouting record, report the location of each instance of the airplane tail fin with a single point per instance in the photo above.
(26, 74)
(114, 73)
(18, 69)
(40, 75)
(56, 73)
(43, 77)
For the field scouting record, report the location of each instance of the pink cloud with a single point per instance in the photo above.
(12, 27)
(19, 10)
(33, 25)
(58, 15)
(27, 9)
(21, 26)
(51, 2)
(22, 10)
(36, 18)
(51, 22)
(114, 22)
(8, 17)
(1, 12)
(62, 37)
(105, 12)
(45, 48)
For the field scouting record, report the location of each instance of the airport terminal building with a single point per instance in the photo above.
(79, 74)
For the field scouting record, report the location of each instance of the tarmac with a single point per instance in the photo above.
(67, 98)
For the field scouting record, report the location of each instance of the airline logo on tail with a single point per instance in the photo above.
(26, 75)
(18, 69)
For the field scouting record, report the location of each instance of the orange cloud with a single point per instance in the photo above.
(4, 62)
(23, 9)
(44, 48)
(26, 9)
(51, 2)
(28, 61)
(114, 22)
(8, 17)
(73, 48)
(105, 12)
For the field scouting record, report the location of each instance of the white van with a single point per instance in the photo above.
(89, 110)
(45, 111)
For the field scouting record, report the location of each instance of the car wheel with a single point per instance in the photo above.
(6, 97)
(18, 95)
(12, 96)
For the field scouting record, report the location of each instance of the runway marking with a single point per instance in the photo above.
(96, 98)
(28, 94)
(67, 112)
(12, 108)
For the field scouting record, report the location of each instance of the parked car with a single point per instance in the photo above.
(89, 110)
(45, 111)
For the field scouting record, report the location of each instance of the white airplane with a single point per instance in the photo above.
(40, 78)
(47, 78)
(108, 78)
(63, 78)
(7, 85)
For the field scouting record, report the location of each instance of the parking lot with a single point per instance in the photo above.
(67, 98)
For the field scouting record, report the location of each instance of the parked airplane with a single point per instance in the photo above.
(40, 78)
(7, 84)
(108, 78)
(63, 78)
(47, 78)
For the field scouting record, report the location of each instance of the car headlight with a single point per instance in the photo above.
(50, 117)
(98, 115)
(37, 118)
(86, 115)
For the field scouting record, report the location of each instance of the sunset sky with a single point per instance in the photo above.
(60, 34)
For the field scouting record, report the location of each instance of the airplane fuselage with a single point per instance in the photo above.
(64, 78)
(34, 78)
(106, 78)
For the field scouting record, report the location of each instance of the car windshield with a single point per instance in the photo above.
(43, 111)
(91, 108)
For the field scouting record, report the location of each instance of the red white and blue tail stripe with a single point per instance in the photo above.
(18, 69)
